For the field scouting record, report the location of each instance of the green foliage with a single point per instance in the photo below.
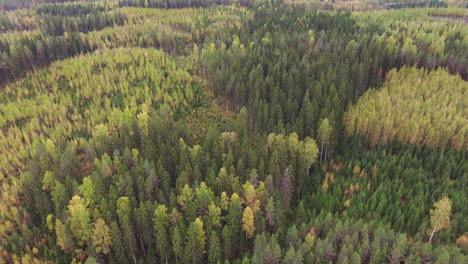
(415, 107)
(181, 135)
(374, 179)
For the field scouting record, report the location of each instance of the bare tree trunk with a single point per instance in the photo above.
(433, 231)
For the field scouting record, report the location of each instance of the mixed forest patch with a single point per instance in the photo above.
(218, 131)
(416, 107)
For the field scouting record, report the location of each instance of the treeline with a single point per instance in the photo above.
(21, 53)
(17, 20)
(58, 25)
(415, 4)
(185, 3)
(18, 4)
(413, 106)
(26, 54)
(56, 19)
(422, 41)
(73, 8)
(455, 12)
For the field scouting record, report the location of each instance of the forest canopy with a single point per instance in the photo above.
(416, 107)
(218, 131)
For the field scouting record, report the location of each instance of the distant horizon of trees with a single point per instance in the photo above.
(231, 134)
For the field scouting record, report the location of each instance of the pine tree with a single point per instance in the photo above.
(118, 246)
(196, 239)
(177, 244)
(128, 235)
(214, 248)
(186, 196)
(286, 188)
(161, 224)
(271, 213)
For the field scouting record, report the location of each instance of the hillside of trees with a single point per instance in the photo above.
(262, 132)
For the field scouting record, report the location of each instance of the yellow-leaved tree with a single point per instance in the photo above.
(440, 216)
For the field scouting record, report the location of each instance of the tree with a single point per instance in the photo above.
(270, 212)
(214, 214)
(308, 155)
(87, 189)
(250, 196)
(119, 247)
(224, 203)
(293, 257)
(228, 243)
(248, 222)
(310, 240)
(177, 243)
(64, 240)
(286, 188)
(144, 222)
(128, 236)
(196, 239)
(91, 260)
(324, 133)
(186, 196)
(161, 224)
(204, 196)
(79, 219)
(214, 248)
(440, 216)
(101, 237)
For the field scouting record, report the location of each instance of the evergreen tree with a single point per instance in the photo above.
(196, 239)
(177, 244)
(161, 225)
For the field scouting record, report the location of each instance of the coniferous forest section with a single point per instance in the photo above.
(174, 32)
(175, 131)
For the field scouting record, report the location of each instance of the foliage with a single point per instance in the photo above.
(440, 216)
(131, 134)
(413, 106)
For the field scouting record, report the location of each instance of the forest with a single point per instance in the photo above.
(233, 131)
